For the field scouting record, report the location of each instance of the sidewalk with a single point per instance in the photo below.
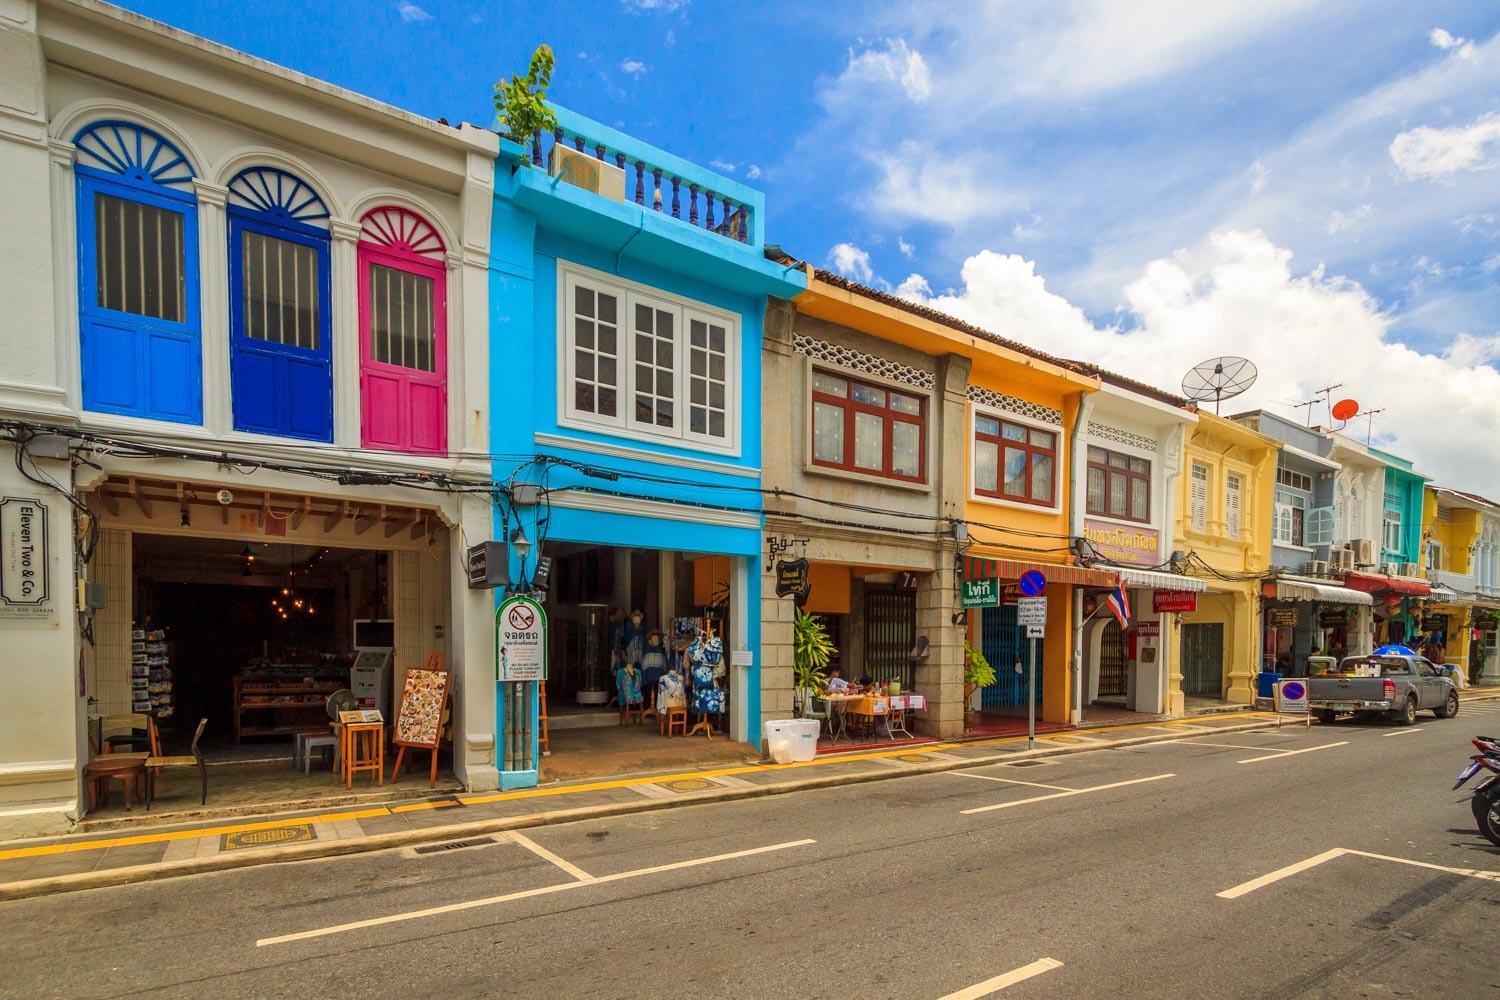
(39, 867)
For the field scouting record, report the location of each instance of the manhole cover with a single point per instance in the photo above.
(453, 845)
(914, 758)
(689, 785)
(1025, 763)
(296, 833)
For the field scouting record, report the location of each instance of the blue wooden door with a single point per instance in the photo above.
(140, 339)
(280, 352)
(1003, 646)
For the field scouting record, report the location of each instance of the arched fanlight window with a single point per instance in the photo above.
(403, 332)
(139, 332)
(280, 340)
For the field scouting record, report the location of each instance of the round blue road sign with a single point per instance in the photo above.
(1033, 583)
(1293, 691)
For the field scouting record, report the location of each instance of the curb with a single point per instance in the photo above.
(456, 831)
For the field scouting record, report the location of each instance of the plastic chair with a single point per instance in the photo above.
(156, 762)
(807, 700)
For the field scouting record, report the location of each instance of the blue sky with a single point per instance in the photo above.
(1144, 184)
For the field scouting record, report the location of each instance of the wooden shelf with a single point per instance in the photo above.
(250, 697)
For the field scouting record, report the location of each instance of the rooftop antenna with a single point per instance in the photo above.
(1309, 403)
(1218, 379)
(1370, 424)
(1327, 393)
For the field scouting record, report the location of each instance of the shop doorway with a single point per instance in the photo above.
(1112, 661)
(1203, 659)
(1002, 645)
(890, 633)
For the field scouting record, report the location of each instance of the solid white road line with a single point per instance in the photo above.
(434, 911)
(1063, 795)
(1225, 746)
(547, 855)
(1338, 852)
(1010, 978)
(1291, 753)
(1406, 732)
(1008, 781)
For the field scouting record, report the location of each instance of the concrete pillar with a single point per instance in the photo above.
(776, 662)
(1171, 648)
(1242, 652)
(213, 302)
(471, 655)
(345, 287)
(940, 677)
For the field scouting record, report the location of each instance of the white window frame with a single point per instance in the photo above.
(624, 422)
(1059, 457)
(1198, 501)
(1234, 527)
(1390, 520)
(1287, 502)
(1434, 554)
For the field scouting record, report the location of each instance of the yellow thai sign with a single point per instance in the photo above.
(1131, 545)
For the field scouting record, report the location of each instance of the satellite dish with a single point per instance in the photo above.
(1345, 409)
(1218, 379)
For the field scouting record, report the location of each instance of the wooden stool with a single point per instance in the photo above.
(130, 768)
(363, 750)
(628, 709)
(670, 718)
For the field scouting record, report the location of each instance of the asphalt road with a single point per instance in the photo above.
(892, 889)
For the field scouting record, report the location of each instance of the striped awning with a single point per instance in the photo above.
(1158, 580)
(1309, 590)
(976, 568)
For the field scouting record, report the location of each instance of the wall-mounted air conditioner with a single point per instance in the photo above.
(1364, 551)
(1390, 569)
(587, 171)
(1319, 567)
(1341, 561)
(1409, 569)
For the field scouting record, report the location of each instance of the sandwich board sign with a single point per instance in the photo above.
(1291, 698)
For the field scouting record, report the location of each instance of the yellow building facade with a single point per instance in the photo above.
(1223, 525)
(1452, 524)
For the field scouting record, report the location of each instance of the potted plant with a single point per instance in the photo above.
(811, 649)
(977, 674)
(522, 100)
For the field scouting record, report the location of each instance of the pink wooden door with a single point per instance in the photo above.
(403, 334)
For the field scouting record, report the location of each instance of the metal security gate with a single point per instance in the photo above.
(1112, 661)
(890, 633)
(1000, 641)
(1203, 660)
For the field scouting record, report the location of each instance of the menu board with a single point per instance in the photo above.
(419, 722)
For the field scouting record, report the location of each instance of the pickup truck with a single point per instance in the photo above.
(1397, 685)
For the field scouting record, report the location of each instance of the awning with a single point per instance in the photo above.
(1372, 584)
(1307, 590)
(1009, 569)
(1158, 580)
(1445, 595)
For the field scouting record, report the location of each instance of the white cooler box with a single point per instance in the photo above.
(791, 740)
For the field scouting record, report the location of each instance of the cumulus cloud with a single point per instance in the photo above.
(852, 262)
(752, 172)
(632, 67)
(653, 6)
(907, 250)
(1460, 47)
(411, 12)
(894, 62)
(931, 186)
(1339, 221)
(1429, 153)
(1240, 295)
(721, 166)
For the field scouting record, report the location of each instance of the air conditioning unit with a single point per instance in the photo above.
(1391, 569)
(1342, 561)
(1364, 551)
(587, 171)
(1409, 569)
(1319, 567)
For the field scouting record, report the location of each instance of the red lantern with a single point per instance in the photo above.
(1392, 602)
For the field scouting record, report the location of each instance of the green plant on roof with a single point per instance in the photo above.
(522, 100)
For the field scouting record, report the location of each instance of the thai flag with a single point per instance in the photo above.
(1119, 606)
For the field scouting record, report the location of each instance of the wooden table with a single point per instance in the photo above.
(129, 768)
(362, 748)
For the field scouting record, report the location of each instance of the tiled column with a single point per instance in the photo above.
(407, 608)
(940, 677)
(777, 676)
(109, 682)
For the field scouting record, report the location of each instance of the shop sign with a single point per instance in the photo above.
(1334, 617)
(1173, 601)
(793, 578)
(1148, 630)
(981, 594)
(1031, 611)
(1281, 617)
(520, 641)
(1434, 623)
(1129, 546)
(25, 583)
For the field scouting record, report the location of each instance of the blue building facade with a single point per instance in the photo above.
(628, 293)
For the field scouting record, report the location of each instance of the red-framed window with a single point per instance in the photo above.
(403, 333)
(1014, 461)
(866, 428)
(1119, 485)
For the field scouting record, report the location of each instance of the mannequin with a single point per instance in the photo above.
(634, 635)
(706, 654)
(628, 689)
(653, 665)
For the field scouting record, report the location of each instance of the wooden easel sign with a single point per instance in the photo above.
(419, 723)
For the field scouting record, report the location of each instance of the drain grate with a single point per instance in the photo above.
(453, 845)
(1026, 763)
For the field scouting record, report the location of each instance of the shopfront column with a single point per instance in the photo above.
(471, 655)
(345, 267)
(218, 416)
(940, 676)
(1171, 649)
(777, 665)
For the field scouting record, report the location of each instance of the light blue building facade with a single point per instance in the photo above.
(626, 330)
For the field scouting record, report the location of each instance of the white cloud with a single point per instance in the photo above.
(895, 62)
(852, 262)
(653, 6)
(1338, 221)
(915, 288)
(1239, 295)
(411, 12)
(670, 39)
(721, 166)
(907, 250)
(932, 186)
(633, 67)
(1262, 174)
(1461, 48)
(752, 172)
(1429, 153)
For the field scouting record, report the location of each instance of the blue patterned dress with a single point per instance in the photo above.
(706, 656)
(628, 686)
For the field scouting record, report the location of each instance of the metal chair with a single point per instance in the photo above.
(156, 762)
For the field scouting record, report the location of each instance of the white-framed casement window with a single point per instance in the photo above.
(1390, 528)
(646, 363)
(1234, 488)
(1291, 510)
(1434, 555)
(1198, 498)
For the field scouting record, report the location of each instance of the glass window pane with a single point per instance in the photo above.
(986, 466)
(1140, 497)
(906, 404)
(1140, 465)
(1014, 432)
(1118, 461)
(987, 425)
(1097, 455)
(1041, 478)
(829, 385)
(861, 393)
(1096, 492)
(869, 441)
(1118, 485)
(280, 291)
(402, 330)
(1042, 439)
(828, 433)
(583, 301)
(1015, 472)
(906, 449)
(139, 259)
(608, 309)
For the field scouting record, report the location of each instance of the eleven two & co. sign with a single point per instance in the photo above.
(25, 588)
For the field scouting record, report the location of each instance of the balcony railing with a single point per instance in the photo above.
(695, 197)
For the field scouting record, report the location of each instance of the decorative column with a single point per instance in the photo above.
(345, 306)
(940, 676)
(213, 305)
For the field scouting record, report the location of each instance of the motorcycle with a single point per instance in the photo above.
(1485, 802)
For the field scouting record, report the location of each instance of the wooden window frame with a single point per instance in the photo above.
(888, 419)
(1032, 452)
(1132, 480)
